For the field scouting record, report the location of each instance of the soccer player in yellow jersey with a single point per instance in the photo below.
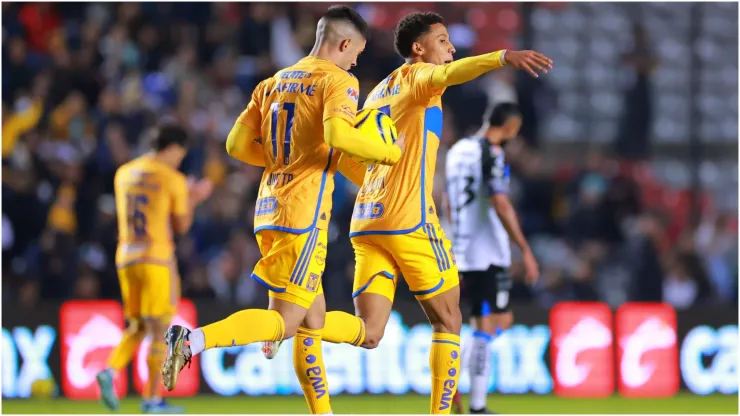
(296, 125)
(395, 229)
(153, 199)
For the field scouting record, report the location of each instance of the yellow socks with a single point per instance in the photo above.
(343, 328)
(154, 361)
(444, 362)
(244, 327)
(309, 367)
(124, 351)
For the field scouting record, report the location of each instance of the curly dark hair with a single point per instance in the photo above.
(411, 28)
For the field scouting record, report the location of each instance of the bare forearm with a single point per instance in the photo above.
(510, 221)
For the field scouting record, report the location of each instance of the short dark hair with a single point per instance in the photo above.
(411, 28)
(168, 134)
(349, 15)
(502, 112)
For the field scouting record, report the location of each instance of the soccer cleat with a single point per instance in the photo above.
(270, 348)
(107, 390)
(160, 407)
(178, 354)
(483, 411)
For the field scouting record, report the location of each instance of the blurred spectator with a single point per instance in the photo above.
(633, 140)
(716, 244)
(42, 26)
(643, 254)
(536, 200)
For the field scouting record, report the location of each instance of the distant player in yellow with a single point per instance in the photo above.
(395, 229)
(153, 199)
(296, 125)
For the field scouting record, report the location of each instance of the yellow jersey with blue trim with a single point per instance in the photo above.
(289, 111)
(398, 199)
(148, 193)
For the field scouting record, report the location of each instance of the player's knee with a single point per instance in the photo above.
(290, 330)
(486, 323)
(505, 320)
(373, 335)
(135, 328)
(155, 327)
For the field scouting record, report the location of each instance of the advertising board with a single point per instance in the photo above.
(39, 344)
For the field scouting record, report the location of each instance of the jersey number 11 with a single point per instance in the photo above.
(290, 113)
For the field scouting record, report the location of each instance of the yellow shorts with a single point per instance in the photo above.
(292, 265)
(149, 290)
(424, 257)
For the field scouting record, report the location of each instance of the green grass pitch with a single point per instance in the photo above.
(388, 404)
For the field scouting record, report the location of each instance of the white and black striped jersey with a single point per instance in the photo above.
(476, 170)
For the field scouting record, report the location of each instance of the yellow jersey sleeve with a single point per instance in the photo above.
(180, 195)
(341, 96)
(252, 115)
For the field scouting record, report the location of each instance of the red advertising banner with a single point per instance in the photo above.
(189, 380)
(581, 349)
(88, 331)
(647, 350)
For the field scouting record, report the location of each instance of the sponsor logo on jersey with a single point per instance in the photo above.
(313, 282)
(353, 94)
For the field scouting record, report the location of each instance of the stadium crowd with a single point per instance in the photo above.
(84, 84)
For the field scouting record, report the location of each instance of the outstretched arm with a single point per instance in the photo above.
(467, 69)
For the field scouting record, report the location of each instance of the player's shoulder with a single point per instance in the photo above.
(416, 66)
(132, 164)
(266, 85)
(128, 169)
(175, 174)
(310, 67)
(338, 76)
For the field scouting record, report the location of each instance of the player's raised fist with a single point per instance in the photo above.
(530, 61)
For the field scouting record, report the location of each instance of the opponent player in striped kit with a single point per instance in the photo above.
(483, 221)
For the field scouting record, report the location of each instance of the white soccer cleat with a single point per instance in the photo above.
(270, 349)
